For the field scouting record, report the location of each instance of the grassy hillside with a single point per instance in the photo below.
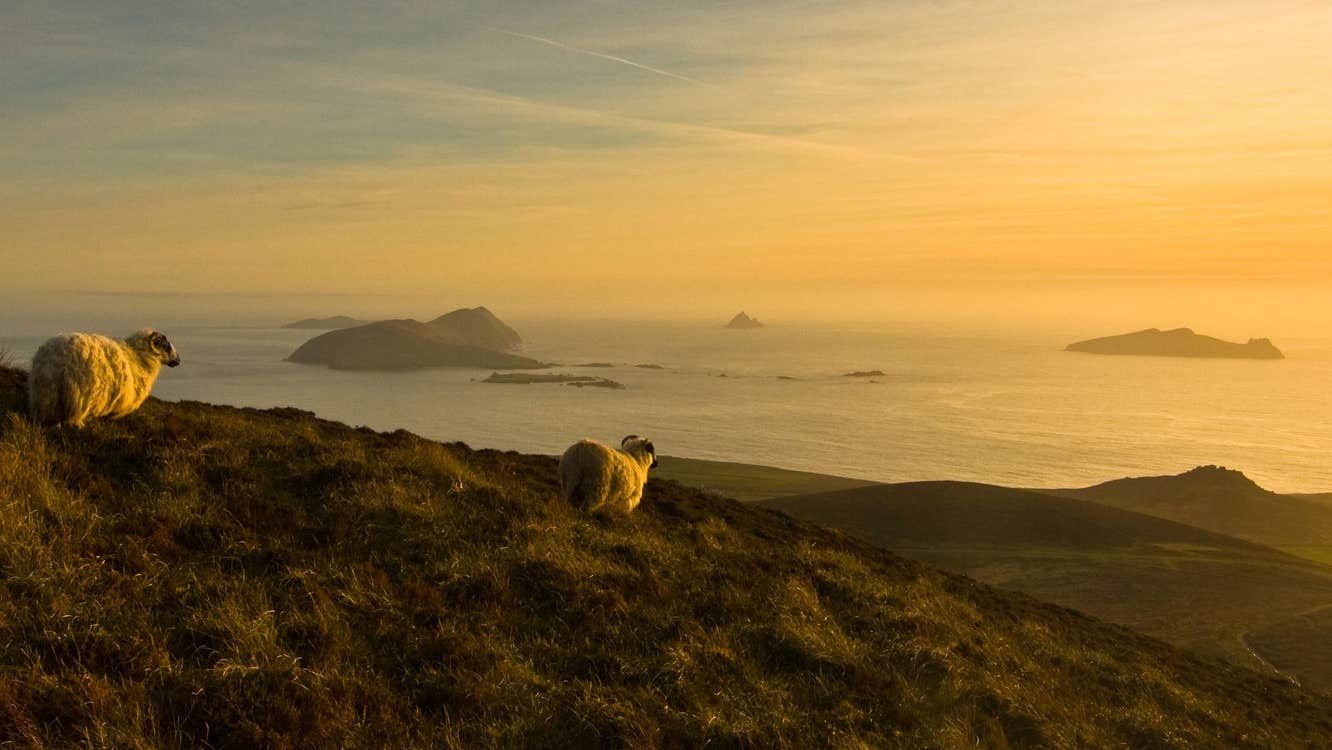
(750, 482)
(1192, 587)
(202, 576)
(1286, 644)
(1220, 500)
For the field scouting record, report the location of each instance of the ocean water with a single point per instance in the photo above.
(996, 405)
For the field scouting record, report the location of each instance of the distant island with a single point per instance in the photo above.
(577, 381)
(1179, 342)
(463, 338)
(741, 320)
(326, 324)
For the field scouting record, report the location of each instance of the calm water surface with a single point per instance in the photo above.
(998, 406)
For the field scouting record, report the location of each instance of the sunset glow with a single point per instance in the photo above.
(523, 151)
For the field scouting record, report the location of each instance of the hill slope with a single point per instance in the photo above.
(1193, 587)
(1221, 500)
(206, 576)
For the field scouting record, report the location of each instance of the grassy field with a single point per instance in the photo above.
(203, 576)
(1195, 588)
(1319, 553)
(749, 482)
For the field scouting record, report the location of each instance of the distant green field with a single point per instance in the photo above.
(749, 482)
(1321, 553)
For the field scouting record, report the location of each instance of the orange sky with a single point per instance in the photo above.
(591, 156)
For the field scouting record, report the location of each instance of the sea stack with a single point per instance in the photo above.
(741, 320)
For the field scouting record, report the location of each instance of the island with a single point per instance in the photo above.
(577, 381)
(462, 338)
(327, 324)
(865, 374)
(1178, 342)
(743, 321)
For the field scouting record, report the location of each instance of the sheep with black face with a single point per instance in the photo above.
(598, 478)
(81, 376)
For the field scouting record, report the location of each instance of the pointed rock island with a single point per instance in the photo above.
(463, 338)
(741, 320)
(1178, 342)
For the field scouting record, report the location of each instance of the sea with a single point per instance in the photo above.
(989, 404)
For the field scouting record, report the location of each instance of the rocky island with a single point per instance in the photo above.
(326, 324)
(742, 321)
(463, 338)
(1179, 342)
(577, 381)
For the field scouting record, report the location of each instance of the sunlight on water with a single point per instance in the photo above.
(950, 404)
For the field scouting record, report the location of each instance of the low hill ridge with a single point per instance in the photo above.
(331, 323)
(1177, 342)
(197, 575)
(1221, 500)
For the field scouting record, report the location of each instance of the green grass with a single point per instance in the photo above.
(749, 482)
(1319, 553)
(203, 576)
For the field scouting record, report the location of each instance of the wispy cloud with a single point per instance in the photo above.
(422, 90)
(602, 55)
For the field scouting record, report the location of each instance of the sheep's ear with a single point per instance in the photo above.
(651, 448)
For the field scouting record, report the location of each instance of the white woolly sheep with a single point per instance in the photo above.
(79, 376)
(598, 478)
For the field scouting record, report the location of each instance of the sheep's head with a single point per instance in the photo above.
(153, 345)
(640, 446)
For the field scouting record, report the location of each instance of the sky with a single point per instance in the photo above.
(595, 156)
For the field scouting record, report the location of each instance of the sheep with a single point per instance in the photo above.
(79, 376)
(598, 478)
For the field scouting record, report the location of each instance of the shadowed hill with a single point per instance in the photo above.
(1193, 587)
(931, 513)
(196, 575)
(1221, 500)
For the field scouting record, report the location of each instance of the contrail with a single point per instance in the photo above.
(602, 55)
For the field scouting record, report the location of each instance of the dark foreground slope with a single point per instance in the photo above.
(205, 576)
(1193, 587)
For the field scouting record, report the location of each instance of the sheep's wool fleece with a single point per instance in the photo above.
(596, 477)
(80, 376)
